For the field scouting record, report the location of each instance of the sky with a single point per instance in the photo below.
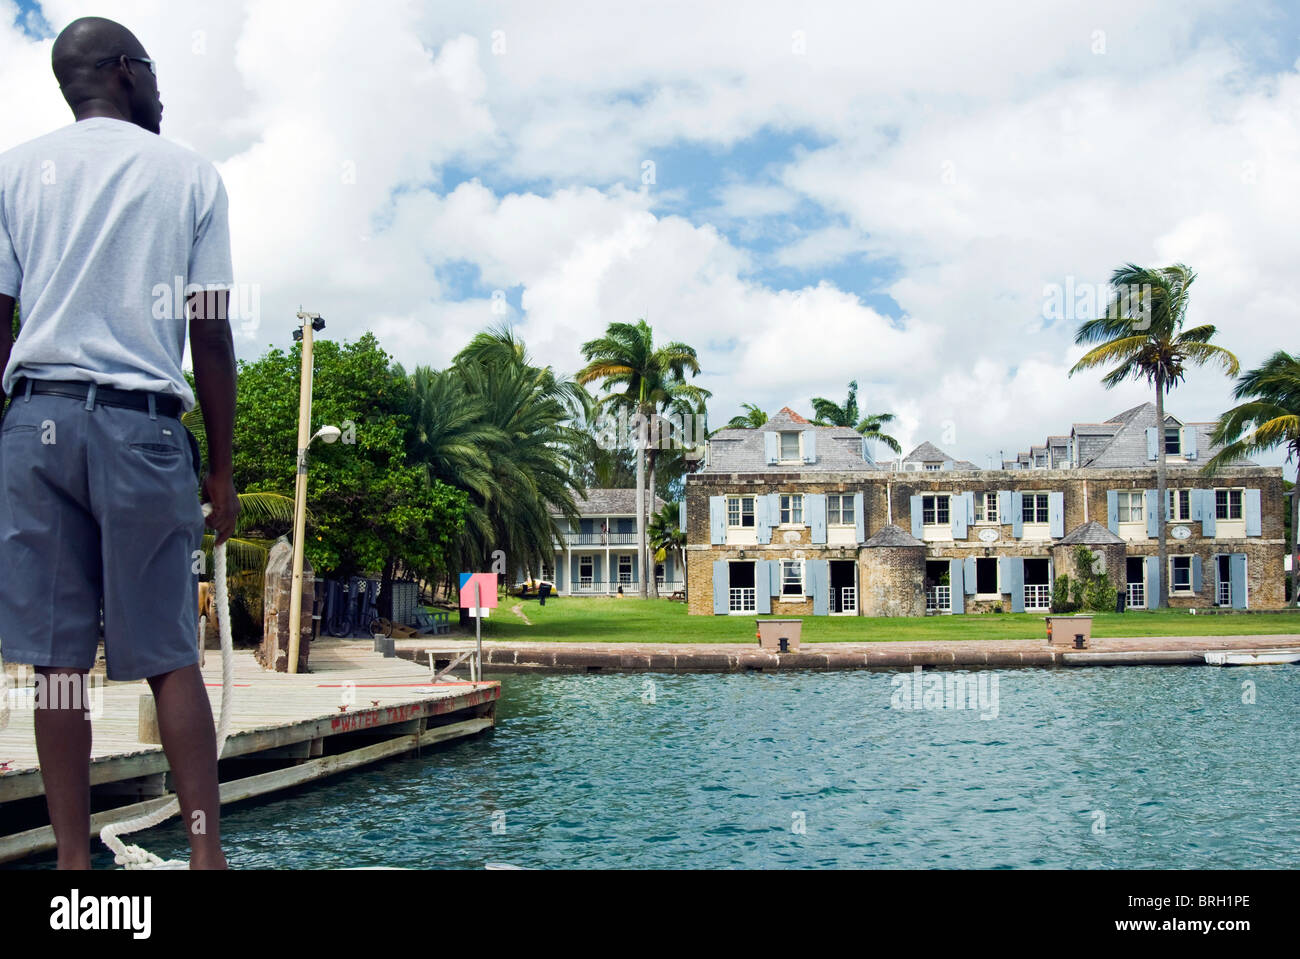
(807, 194)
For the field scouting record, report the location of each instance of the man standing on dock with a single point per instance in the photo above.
(98, 477)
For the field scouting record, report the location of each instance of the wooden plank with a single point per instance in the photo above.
(41, 839)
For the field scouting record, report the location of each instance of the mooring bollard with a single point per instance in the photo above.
(1078, 641)
(784, 643)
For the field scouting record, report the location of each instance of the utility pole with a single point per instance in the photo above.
(311, 323)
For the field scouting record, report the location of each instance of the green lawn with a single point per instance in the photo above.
(590, 619)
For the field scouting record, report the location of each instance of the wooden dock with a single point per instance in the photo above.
(355, 707)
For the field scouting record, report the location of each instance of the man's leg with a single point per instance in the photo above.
(63, 748)
(188, 738)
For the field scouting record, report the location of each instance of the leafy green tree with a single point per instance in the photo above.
(1269, 417)
(374, 510)
(1141, 336)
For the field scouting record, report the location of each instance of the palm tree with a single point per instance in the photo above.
(679, 399)
(626, 358)
(666, 535)
(753, 418)
(1271, 414)
(828, 413)
(499, 427)
(256, 511)
(1141, 334)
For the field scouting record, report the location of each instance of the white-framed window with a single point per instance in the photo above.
(1227, 504)
(933, 467)
(1180, 574)
(934, 510)
(1033, 508)
(586, 570)
(986, 508)
(740, 512)
(790, 447)
(1173, 441)
(792, 577)
(1132, 506)
(839, 509)
(1180, 505)
(791, 508)
(625, 569)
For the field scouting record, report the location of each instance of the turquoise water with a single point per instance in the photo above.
(585, 772)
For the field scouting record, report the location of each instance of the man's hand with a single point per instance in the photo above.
(219, 490)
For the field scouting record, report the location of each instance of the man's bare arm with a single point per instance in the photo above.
(6, 334)
(212, 349)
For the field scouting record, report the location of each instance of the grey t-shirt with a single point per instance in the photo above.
(103, 225)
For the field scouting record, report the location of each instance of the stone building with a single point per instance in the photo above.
(796, 519)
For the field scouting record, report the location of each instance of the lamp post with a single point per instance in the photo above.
(311, 323)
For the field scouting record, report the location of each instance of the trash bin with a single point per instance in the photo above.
(772, 631)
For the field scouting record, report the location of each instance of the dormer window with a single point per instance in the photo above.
(1173, 441)
(933, 466)
(790, 447)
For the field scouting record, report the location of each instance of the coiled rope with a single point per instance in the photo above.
(134, 857)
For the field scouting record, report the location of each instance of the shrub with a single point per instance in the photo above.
(1061, 599)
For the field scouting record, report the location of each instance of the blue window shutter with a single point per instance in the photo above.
(814, 514)
(763, 519)
(774, 573)
(1004, 506)
(1197, 497)
(809, 446)
(771, 447)
(947, 465)
(1152, 504)
(1237, 570)
(681, 515)
(968, 574)
(916, 517)
(717, 520)
(1017, 514)
(859, 520)
(1056, 514)
(819, 584)
(1004, 572)
(1250, 509)
(1016, 566)
(1153, 582)
(762, 597)
(957, 515)
(1208, 513)
(1153, 451)
(1189, 442)
(957, 583)
(1197, 573)
(1112, 510)
(721, 596)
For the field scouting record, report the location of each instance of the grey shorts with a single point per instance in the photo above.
(98, 506)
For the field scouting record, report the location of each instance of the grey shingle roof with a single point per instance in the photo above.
(605, 502)
(892, 535)
(1090, 534)
(839, 449)
(1127, 445)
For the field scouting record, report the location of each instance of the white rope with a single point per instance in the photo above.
(133, 857)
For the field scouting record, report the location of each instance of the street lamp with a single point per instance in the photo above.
(311, 323)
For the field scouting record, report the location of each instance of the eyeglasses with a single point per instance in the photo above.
(151, 64)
